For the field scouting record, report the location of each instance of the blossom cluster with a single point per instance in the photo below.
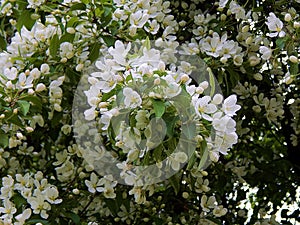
(82, 89)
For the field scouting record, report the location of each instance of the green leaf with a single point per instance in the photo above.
(204, 157)
(74, 217)
(37, 102)
(280, 43)
(159, 108)
(24, 106)
(3, 43)
(109, 40)
(4, 141)
(25, 20)
(19, 200)
(294, 68)
(192, 161)
(94, 51)
(35, 221)
(211, 82)
(67, 38)
(175, 182)
(189, 129)
(54, 45)
(78, 6)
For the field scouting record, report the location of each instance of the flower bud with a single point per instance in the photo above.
(157, 81)
(245, 28)
(296, 24)
(184, 78)
(293, 59)
(249, 40)
(29, 129)
(45, 68)
(75, 191)
(31, 91)
(71, 30)
(223, 17)
(258, 76)
(40, 87)
(287, 17)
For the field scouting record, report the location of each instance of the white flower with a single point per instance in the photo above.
(203, 107)
(24, 81)
(108, 184)
(66, 50)
(153, 27)
(8, 210)
(266, 52)
(276, 25)
(223, 3)
(92, 183)
(212, 45)
(35, 3)
(119, 52)
(51, 195)
(175, 159)
(219, 211)
(207, 204)
(139, 18)
(108, 81)
(132, 98)
(39, 205)
(21, 218)
(224, 124)
(11, 73)
(230, 106)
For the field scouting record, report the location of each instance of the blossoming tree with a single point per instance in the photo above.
(149, 112)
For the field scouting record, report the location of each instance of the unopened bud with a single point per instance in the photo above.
(184, 78)
(293, 59)
(245, 28)
(29, 129)
(75, 191)
(223, 17)
(287, 17)
(258, 76)
(40, 87)
(296, 24)
(71, 30)
(157, 81)
(249, 40)
(102, 105)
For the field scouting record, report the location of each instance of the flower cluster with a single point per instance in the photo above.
(88, 103)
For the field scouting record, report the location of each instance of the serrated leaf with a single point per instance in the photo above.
(24, 106)
(54, 45)
(159, 108)
(94, 51)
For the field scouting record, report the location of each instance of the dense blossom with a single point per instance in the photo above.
(211, 105)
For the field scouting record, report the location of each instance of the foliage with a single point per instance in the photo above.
(54, 52)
